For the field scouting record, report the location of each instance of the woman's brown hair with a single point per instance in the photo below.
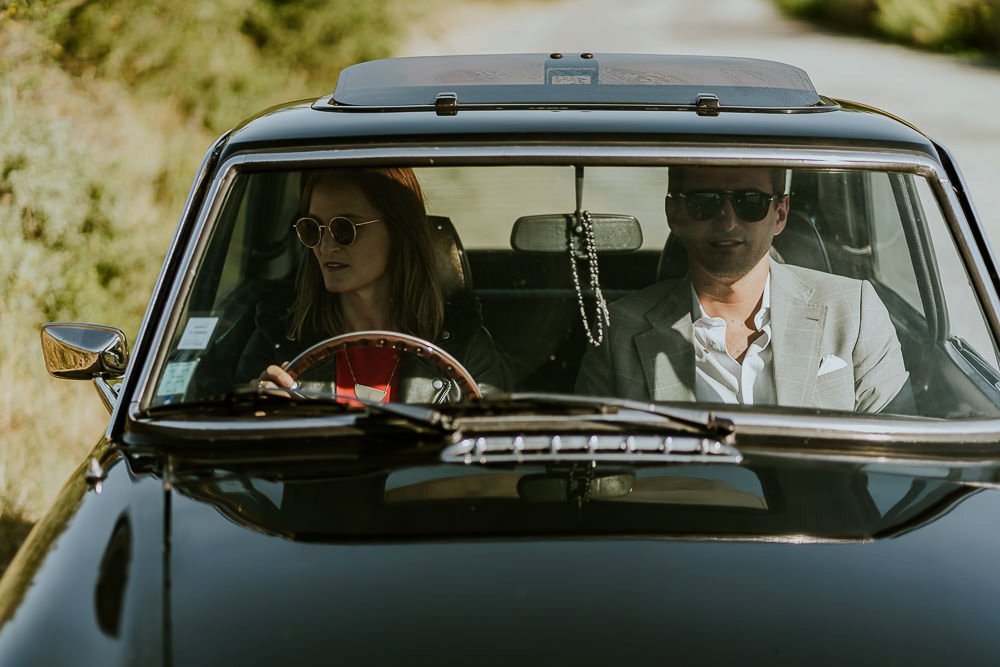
(417, 301)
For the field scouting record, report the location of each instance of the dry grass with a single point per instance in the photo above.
(13, 529)
(84, 228)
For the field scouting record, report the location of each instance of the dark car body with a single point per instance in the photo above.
(254, 530)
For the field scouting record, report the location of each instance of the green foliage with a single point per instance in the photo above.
(106, 109)
(945, 25)
(222, 60)
(854, 15)
(65, 220)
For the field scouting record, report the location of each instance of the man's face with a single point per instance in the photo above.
(725, 246)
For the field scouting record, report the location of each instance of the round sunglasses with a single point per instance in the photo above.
(749, 205)
(343, 230)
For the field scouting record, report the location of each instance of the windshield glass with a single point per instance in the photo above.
(832, 290)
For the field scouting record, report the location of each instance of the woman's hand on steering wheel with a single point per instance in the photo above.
(275, 377)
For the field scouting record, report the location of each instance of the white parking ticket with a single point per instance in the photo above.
(198, 333)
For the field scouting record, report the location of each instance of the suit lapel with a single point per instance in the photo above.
(797, 329)
(666, 349)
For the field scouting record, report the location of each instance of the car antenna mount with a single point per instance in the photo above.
(582, 232)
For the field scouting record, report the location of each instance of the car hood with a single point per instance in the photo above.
(242, 592)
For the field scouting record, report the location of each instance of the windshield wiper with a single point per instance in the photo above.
(523, 428)
(512, 428)
(289, 402)
(247, 399)
(628, 414)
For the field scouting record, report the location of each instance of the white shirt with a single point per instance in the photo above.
(718, 377)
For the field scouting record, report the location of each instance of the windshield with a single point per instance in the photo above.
(830, 290)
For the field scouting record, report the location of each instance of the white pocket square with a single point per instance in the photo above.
(829, 364)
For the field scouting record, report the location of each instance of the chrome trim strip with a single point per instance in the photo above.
(967, 247)
(865, 429)
(145, 338)
(499, 448)
(329, 105)
(108, 394)
(291, 426)
(622, 153)
(152, 368)
(161, 284)
(848, 428)
(774, 539)
(828, 456)
(242, 431)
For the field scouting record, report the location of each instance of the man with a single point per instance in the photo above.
(742, 327)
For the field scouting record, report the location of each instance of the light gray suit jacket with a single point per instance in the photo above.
(834, 344)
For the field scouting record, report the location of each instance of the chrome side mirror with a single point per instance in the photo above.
(83, 351)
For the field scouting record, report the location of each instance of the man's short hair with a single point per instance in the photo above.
(678, 175)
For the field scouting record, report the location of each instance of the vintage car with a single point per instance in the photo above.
(532, 455)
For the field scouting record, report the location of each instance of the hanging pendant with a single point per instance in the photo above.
(365, 393)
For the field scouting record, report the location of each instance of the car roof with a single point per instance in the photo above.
(675, 100)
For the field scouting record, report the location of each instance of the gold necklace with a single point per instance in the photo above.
(365, 393)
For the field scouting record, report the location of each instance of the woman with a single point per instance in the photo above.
(371, 265)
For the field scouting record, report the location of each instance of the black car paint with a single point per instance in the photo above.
(198, 565)
(148, 572)
(91, 573)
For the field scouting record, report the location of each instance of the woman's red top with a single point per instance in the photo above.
(374, 367)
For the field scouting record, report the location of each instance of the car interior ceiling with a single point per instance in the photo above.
(529, 304)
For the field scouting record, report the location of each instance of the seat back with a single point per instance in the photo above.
(800, 243)
(453, 264)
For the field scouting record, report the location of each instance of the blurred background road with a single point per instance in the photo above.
(952, 100)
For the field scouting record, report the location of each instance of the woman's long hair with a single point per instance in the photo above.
(416, 299)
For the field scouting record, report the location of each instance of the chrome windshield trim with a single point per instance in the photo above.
(864, 429)
(153, 366)
(847, 428)
(328, 104)
(107, 392)
(142, 339)
(621, 153)
(243, 428)
(966, 244)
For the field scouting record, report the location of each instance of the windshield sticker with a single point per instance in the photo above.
(176, 377)
(197, 333)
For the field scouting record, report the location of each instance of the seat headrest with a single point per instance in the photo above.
(456, 274)
(673, 260)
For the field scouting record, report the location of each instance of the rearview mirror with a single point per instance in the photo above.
(613, 233)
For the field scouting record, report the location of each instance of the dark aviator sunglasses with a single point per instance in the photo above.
(343, 230)
(749, 205)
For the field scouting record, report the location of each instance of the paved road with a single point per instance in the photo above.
(953, 101)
